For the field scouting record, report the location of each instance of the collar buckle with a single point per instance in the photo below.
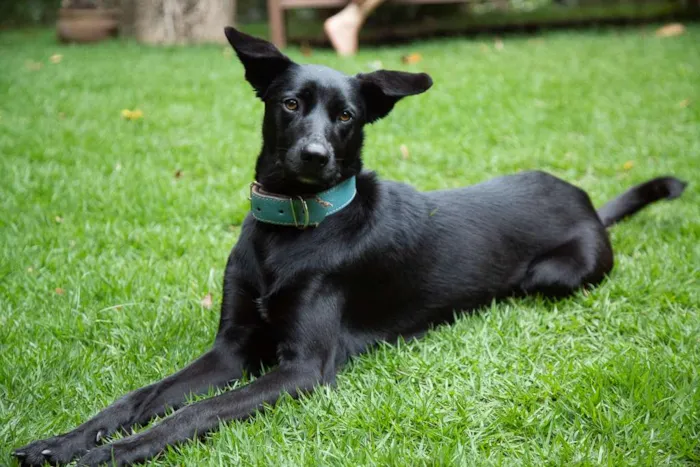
(307, 217)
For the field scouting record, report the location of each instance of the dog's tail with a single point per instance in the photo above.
(638, 197)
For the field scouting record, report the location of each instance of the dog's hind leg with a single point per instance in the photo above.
(584, 259)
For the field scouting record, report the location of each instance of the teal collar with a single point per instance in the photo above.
(300, 211)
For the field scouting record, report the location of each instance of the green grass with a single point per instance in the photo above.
(90, 204)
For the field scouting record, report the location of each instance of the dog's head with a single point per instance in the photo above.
(312, 129)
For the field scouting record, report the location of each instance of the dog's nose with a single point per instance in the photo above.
(315, 155)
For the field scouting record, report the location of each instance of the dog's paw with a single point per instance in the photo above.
(58, 450)
(102, 455)
(127, 451)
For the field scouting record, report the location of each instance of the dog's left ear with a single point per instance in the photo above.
(382, 89)
(261, 60)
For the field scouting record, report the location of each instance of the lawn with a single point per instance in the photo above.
(113, 231)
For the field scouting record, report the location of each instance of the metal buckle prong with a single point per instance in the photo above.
(307, 216)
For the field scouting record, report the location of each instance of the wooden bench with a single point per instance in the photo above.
(276, 9)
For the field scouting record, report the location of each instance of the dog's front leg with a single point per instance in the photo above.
(213, 369)
(222, 364)
(202, 417)
(308, 358)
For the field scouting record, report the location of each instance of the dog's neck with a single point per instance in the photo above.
(270, 175)
(300, 211)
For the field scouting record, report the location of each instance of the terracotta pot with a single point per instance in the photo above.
(87, 25)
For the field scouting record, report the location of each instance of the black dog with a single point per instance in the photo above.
(316, 279)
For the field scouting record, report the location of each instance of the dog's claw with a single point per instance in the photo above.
(20, 454)
(46, 452)
(98, 437)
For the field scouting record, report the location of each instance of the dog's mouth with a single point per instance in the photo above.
(306, 180)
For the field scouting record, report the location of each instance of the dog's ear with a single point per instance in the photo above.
(382, 89)
(261, 60)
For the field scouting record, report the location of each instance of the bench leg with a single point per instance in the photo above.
(275, 13)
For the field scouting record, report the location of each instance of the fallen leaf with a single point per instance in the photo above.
(498, 45)
(30, 269)
(58, 219)
(56, 58)
(131, 114)
(411, 59)
(670, 30)
(305, 49)
(206, 301)
(628, 165)
(404, 151)
(33, 66)
(59, 291)
(178, 173)
(684, 103)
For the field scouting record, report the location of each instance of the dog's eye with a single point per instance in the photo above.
(291, 104)
(345, 116)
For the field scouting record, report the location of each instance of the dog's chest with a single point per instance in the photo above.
(278, 309)
(261, 307)
(279, 297)
(288, 264)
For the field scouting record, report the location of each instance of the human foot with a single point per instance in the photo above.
(343, 28)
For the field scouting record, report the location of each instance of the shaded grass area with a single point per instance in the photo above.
(105, 253)
(392, 22)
